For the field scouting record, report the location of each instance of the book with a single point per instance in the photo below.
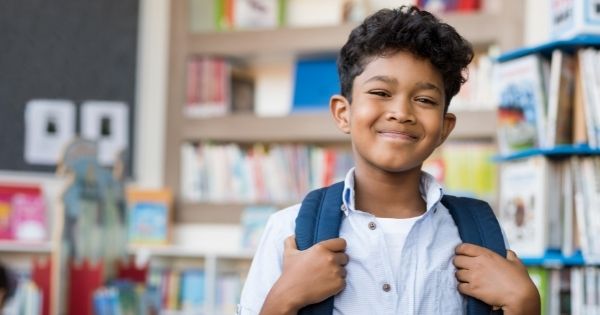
(202, 15)
(540, 277)
(560, 99)
(208, 87)
(591, 95)
(315, 81)
(520, 95)
(251, 14)
(5, 210)
(149, 214)
(23, 213)
(523, 208)
(193, 291)
(303, 13)
(254, 219)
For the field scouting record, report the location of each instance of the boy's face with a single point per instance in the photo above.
(396, 118)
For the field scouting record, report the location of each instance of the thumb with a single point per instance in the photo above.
(290, 244)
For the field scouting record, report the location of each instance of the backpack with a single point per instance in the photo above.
(320, 217)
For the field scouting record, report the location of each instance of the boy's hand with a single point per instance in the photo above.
(495, 280)
(308, 276)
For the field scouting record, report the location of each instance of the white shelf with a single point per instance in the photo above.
(7, 246)
(187, 252)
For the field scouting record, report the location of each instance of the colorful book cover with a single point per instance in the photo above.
(523, 205)
(540, 278)
(254, 220)
(193, 291)
(5, 220)
(28, 217)
(315, 81)
(149, 213)
(520, 95)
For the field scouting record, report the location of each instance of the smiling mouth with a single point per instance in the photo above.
(397, 135)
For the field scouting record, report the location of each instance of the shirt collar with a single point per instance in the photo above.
(431, 191)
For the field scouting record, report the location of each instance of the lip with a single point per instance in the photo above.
(398, 135)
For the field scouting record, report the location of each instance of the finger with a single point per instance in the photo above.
(290, 244)
(470, 250)
(343, 273)
(341, 259)
(465, 288)
(463, 275)
(334, 244)
(512, 257)
(463, 262)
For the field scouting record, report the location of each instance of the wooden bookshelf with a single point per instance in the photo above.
(327, 39)
(502, 27)
(313, 128)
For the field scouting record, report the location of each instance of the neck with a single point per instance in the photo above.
(387, 194)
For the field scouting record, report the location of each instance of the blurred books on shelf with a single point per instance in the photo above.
(149, 216)
(465, 169)
(450, 5)
(208, 87)
(258, 173)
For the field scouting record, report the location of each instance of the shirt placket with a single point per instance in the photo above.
(386, 285)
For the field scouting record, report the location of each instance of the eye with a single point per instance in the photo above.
(426, 100)
(380, 93)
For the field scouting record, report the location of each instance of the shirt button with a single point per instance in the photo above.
(386, 287)
(343, 207)
(372, 225)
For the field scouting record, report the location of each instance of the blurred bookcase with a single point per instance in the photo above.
(251, 46)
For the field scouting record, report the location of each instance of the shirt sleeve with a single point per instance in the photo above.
(267, 262)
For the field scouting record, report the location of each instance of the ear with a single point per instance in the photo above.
(340, 110)
(447, 127)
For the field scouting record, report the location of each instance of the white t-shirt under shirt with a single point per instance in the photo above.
(394, 233)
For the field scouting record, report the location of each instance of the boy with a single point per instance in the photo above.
(399, 251)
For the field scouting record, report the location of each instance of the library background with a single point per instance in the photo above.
(145, 143)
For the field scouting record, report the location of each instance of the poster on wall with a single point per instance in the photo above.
(49, 127)
(107, 123)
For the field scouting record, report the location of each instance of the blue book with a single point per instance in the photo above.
(192, 290)
(316, 80)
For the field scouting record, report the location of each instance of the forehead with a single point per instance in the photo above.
(402, 66)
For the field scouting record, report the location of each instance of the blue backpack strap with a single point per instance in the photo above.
(319, 219)
(477, 225)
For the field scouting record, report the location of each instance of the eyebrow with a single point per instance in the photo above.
(391, 80)
(428, 86)
(382, 78)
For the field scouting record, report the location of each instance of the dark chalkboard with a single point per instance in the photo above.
(63, 49)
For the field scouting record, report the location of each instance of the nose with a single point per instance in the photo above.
(401, 111)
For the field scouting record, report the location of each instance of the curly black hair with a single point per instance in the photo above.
(406, 28)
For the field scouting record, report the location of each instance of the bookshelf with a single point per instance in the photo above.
(252, 46)
(26, 247)
(214, 264)
(566, 258)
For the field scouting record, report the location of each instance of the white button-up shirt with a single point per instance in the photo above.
(422, 283)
